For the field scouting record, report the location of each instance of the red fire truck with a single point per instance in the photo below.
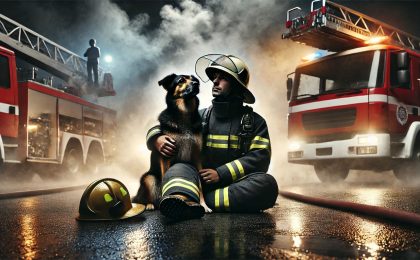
(359, 106)
(44, 117)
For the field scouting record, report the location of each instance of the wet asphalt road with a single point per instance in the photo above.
(44, 227)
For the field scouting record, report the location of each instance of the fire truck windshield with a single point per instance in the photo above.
(340, 74)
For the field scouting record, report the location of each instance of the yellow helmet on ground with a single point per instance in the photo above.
(107, 199)
(232, 65)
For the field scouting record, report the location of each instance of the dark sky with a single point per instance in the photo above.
(402, 14)
(140, 24)
(141, 34)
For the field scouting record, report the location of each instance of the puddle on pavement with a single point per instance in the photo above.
(316, 248)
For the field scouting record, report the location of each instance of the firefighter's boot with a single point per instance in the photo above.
(177, 207)
(181, 193)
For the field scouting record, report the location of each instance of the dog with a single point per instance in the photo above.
(182, 122)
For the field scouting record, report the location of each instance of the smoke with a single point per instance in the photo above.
(143, 54)
(250, 30)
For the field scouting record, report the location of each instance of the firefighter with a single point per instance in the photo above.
(236, 149)
(93, 53)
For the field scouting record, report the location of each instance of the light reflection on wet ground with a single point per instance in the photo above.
(327, 232)
(44, 227)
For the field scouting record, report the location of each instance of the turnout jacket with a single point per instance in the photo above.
(223, 145)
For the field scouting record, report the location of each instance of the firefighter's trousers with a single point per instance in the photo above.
(253, 193)
(181, 178)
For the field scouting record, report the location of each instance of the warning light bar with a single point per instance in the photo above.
(333, 27)
(316, 55)
(377, 39)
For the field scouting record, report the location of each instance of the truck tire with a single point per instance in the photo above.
(331, 172)
(95, 160)
(2, 168)
(409, 170)
(73, 161)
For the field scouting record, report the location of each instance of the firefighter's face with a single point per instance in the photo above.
(221, 85)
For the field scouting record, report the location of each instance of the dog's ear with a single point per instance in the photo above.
(166, 81)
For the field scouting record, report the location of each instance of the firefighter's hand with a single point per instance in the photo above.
(209, 176)
(165, 145)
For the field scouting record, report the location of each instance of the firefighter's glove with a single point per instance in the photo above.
(165, 145)
(209, 176)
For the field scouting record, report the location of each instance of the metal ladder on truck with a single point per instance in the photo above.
(49, 55)
(334, 27)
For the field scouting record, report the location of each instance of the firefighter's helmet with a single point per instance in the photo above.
(107, 199)
(207, 65)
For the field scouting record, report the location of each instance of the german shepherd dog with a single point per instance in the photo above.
(182, 122)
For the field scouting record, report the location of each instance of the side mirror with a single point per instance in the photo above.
(402, 60)
(403, 78)
(289, 84)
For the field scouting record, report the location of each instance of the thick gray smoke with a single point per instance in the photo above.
(250, 30)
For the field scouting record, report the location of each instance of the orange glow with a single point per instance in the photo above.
(376, 39)
(28, 236)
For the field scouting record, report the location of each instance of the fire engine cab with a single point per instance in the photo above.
(45, 118)
(359, 106)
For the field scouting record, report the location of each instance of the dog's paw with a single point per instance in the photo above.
(206, 208)
(150, 206)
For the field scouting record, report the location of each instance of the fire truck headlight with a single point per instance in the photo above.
(32, 128)
(367, 139)
(294, 146)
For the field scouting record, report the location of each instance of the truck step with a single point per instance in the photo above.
(10, 145)
(12, 161)
(11, 152)
(397, 144)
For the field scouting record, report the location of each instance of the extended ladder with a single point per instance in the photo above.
(40, 49)
(333, 27)
(49, 55)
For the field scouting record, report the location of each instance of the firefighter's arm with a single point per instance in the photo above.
(156, 140)
(152, 135)
(257, 159)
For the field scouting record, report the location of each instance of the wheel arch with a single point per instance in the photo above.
(1, 150)
(69, 140)
(91, 143)
(411, 139)
(95, 144)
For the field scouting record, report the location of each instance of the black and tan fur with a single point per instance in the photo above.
(182, 122)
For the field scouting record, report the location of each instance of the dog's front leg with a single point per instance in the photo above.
(203, 201)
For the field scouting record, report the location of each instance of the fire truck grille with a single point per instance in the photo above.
(329, 138)
(329, 119)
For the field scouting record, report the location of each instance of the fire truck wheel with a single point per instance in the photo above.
(2, 170)
(94, 160)
(408, 171)
(331, 172)
(73, 160)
